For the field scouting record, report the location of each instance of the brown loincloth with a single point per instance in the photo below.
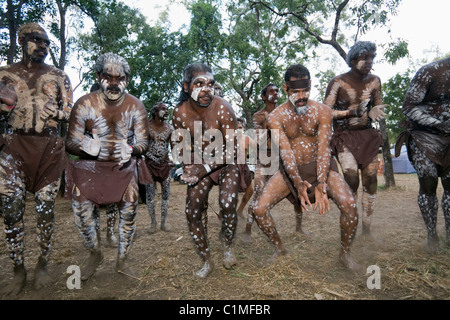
(102, 182)
(244, 173)
(42, 159)
(363, 144)
(308, 172)
(159, 172)
(434, 145)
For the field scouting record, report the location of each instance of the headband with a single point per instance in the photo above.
(299, 84)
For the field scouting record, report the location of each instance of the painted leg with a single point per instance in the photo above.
(196, 215)
(150, 200)
(13, 210)
(299, 220)
(165, 194)
(428, 205)
(446, 207)
(45, 226)
(87, 223)
(368, 201)
(127, 229)
(446, 210)
(247, 235)
(349, 224)
(111, 217)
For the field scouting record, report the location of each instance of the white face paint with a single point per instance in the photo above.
(296, 98)
(195, 93)
(202, 83)
(113, 81)
(360, 64)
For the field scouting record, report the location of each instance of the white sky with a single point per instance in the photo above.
(423, 24)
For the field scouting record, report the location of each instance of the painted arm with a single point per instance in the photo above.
(331, 95)
(324, 134)
(414, 107)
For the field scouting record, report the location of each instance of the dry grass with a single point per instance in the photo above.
(164, 262)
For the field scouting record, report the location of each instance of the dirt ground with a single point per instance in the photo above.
(164, 262)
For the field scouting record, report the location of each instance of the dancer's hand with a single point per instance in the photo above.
(193, 173)
(320, 193)
(302, 190)
(125, 151)
(91, 145)
(377, 112)
(362, 108)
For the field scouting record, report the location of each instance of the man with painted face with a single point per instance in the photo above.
(108, 129)
(269, 95)
(307, 173)
(427, 138)
(208, 160)
(356, 100)
(158, 163)
(32, 156)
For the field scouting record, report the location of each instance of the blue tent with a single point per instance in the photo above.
(401, 164)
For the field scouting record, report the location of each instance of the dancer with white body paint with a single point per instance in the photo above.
(356, 100)
(427, 138)
(269, 94)
(158, 163)
(111, 208)
(199, 113)
(307, 173)
(245, 142)
(32, 153)
(108, 129)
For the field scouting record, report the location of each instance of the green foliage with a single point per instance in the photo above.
(248, 43)
(12, 17)
(394, 91)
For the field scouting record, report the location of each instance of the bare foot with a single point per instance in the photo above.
(347, 260)
(302, 231)
(152, 229)
(123, 267)
(111, 240)
(278, 252)
(208, 266)
(370, 240)
(17, 284)
(229, 259)
(94, 260)
(247, 237)
(41, 277)
(431, 245)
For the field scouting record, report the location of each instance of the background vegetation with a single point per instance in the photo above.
(248, 44)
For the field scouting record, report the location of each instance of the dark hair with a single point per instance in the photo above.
(113, 58)
(188, 76)
(264, 90)
(296, 71)
(358, 48)
(95, 87)
(242, 120)
(153, 109)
